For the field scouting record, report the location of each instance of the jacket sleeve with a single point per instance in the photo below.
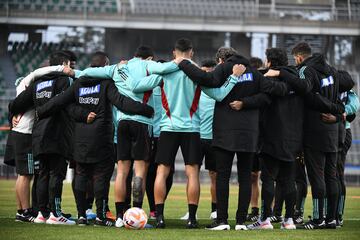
(258, 100)
(23, 101)
(346, 82)
(161, 68)
(220, 93)
(99, 72)
(126, 104)
(207, 79)
(57, 103)
(41, 72)
(78, 113)
(352, 105)
(274, 88)
(141, 84)
(301, 84)
(321, 104)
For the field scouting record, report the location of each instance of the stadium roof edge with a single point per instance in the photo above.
(285, 27)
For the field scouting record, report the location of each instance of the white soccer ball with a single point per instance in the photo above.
(135, 218)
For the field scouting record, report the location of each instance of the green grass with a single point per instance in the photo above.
(175, 207)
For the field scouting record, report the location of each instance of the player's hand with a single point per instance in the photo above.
(91, 117)
(238, 69)
(236, 105)
(123, 62)
(344, 116)
(178, 60)
(272, 73)
(328, 118)
(15, 120)
(68, 71)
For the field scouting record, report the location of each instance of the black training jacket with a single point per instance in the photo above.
(235, 130)
(50, 135)
(94, 142)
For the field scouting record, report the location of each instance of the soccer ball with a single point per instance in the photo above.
(135, 218)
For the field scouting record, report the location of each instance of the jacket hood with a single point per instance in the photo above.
(238, 59)
(318, 62)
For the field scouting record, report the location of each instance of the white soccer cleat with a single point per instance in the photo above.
(288, 224)
(61, 220)
(119, 223)
(185, 217)
(261, 225)
(213, 215)
(240, 227)
(40, 218)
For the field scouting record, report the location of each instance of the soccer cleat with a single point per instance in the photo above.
(191, 224)
(288, 224)
(148, 226)
(160, 222)
(263, 225)
(312, 224)
(40, 218)
(239, 227)
(218, 226)
(61, 220)
(19, 217)
(185, 217)
(27, 216)
(298, 219)
(66, 215)
(331, 224)
(213, 215)
(110, 216)
(90, 215)
(152, 215)
(339, 223)
(276, 219)
(252, 217)
(103, 222)
(82, 221)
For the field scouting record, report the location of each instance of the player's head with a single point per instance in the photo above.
(208, 65)
(144, 52)
(300, 52)
(184, 48)
(276, 57)
(256, 62)
(224, 53)
(73, 58)
(59, 58)
(99, 59)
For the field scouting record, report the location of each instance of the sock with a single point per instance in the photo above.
(137, 204)
(120, 209)
(159, 209)
(255, 210)
(20, 211)
(192, 211)
(213, 207)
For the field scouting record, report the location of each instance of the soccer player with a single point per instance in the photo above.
(133, 143)
(50, 143)
(26, 165)
(93, 142)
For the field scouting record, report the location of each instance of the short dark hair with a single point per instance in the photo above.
(224, 53)
(71, 54)
(256, 62)
(99, 59)
(58, 58)
(144, 52)
(302, 48)
(208, 63)
(183, 45)
(277, 57)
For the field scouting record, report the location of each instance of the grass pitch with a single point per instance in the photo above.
(175, 207)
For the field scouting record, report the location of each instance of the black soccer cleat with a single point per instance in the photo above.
(252, 217)
(331, 224)
(276, 219)
(298, 218)
(218, 226)
(312, 225)
(103, 222)
(160, 222)
(82, 221)
(191, 224)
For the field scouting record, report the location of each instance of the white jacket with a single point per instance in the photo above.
(26, 121)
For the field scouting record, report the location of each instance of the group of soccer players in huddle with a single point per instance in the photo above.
(276, 118)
